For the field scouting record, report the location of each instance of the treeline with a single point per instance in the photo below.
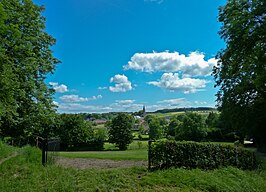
(103, 116)
(192, 126)
(185, 109)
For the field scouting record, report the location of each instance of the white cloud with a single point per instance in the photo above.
(128, 106)
(172, 82)
(102, 88)
(82, 108)
(125, 102)
(122, 84)
(200, 102)
(59, 88)
(192, 65)
(76, 98)
(113, 107)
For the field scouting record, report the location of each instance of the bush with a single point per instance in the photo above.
(214, 134)
(165, 154)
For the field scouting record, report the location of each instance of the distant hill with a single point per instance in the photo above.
(185, 109)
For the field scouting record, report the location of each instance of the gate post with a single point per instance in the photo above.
(44, 145)
(149, 154)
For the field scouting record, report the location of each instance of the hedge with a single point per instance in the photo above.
(165, 154)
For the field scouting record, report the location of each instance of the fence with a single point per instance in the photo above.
(52, 145)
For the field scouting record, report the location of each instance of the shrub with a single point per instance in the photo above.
(165, 154)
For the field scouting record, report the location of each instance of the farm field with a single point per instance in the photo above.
(25, 173)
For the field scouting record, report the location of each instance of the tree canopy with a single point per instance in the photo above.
(120, 130)
(241, 70)
(26, 106)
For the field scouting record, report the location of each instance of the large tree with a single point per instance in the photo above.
(241, 71)
(25, 60)
(155, 129)
(74, 131)
(191, 127)
(120, 130)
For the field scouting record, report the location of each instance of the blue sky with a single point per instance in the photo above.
(118, 55)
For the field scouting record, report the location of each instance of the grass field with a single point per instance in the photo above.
(25, 173)
(113, 155)
(137, 150)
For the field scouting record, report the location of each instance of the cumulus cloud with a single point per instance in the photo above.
(59, 88)
(172, 82)
(192, 65)
(122, 84)
(76, 98)
(126, 106)
(82, 108)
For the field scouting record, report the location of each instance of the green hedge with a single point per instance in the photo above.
(165, 154)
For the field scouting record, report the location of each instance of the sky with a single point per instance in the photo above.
(118, 55)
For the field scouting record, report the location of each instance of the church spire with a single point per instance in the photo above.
(143, 111)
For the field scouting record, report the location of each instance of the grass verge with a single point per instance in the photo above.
(25, 173)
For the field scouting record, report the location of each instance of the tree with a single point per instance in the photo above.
(26, 107)
(191, 127)
(155, 129)
(171, 130)
(120, 130)
(212, 120)
(241, 70)
(74, 131)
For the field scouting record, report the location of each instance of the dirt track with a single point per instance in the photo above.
(85, 163)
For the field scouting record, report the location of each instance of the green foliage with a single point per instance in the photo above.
(74, 131)
(241, 72)
(191, 127)
(99, 136)
(215, 134)
(165, 154)
(120, 130)
(173, 125)
(26, 107)
(212, 120)
(155, 129)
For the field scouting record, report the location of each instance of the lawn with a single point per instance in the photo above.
(140, 154)
(25, 173)
(137, 150)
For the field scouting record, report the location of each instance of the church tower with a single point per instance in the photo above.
(143, 111)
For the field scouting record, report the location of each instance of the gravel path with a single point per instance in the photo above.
(84, 163)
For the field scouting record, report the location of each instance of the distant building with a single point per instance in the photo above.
(99, 121)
